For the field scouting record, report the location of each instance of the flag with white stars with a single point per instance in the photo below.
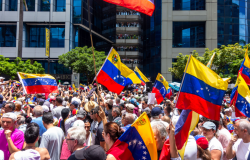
(38, 83)
(202, 90)
(160, 88)
(244, 70)
(241, 98)
(136, 143)
(115, 75)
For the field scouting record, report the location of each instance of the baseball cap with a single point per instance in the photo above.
(75, 103)
(201, 141)
(75, 94)
(81, 114)
(2, 78)
(156, 111)
(209, 125)
(10, 115)
(108, 96)
(95, 152)
(45, 108)
(52, 98)
(130, 107)
(133, 101)
(79, 123)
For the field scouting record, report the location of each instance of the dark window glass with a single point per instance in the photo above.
(7, 35)
(36, 36)
(77, 6)
(44, 5)
(188, 34)
(30, 4)
(0, 5)
(11, 5)
(233, 22)
(60, 5)
(189, 4)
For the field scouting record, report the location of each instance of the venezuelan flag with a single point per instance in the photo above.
(115, 75)
(169, 93)
(82, 86)
(137, 142)
(160, 88)
(245, 68)
(38, 83)
(241, 98)
(202, 90)
(143, 6)
(184, 126)
(141, 76)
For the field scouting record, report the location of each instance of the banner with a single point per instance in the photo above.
(47, 31)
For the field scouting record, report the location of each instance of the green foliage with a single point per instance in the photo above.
(11, 68)
(226, 62)
(80, 60)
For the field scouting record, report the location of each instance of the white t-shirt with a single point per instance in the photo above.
(1, 155)
(242, 149)
(3, 86)
(76, 99)
(191, 149)
(214, 144)
(27, 154)
(91, 139)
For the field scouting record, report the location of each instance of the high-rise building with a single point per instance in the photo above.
(129, 36)
(181, 26)
(69, 29)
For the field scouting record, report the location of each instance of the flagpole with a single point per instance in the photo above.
(90, 33)
(182, 81)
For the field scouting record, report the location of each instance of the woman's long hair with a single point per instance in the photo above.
(64, 114)
(203, 154)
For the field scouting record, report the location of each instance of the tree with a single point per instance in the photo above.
(11, 68)
(80, 60)
(226, 62)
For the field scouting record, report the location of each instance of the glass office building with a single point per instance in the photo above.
(69, 28)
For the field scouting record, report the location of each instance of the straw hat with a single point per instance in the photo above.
(90, 105)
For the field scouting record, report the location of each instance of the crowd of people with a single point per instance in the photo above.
(79, 125)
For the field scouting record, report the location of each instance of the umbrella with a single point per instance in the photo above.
(175, 86)
(66, 83)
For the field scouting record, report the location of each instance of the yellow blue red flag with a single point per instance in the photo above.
(141, 76)
(137, 142)
(160, 88)
(38, 83)
(115, 75)
(202, 90)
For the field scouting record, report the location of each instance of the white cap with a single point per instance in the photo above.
(45, 108)
(130, 107)
(10, 115)
(108, 96)
(79, 123)
(2, 78)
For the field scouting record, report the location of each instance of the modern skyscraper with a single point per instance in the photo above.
(188, 25)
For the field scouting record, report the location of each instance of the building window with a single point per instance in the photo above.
(11, 5)
(30, 4)
(189, 4)
(233, 22)
(188, 34)
(0, 5)
(44, 5)
(7, 35)
(60, 5)
(36, 36)
(76, 37)
(77, 11)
